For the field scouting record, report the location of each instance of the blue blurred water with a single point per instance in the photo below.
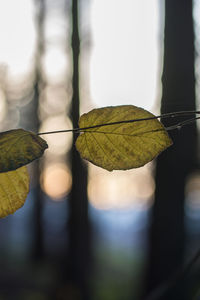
(122, 229)
(116, 228)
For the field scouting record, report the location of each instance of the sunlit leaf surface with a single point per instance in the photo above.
(14, 188)
(19, 147)
(121, 146)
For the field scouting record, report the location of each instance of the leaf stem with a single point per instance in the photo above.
(181, 124)
(163, 116)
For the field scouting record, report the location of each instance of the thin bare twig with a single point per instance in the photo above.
(167, 115)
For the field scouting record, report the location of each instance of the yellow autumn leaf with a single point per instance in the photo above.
(14, 188)
(121, 146)
(19, 147)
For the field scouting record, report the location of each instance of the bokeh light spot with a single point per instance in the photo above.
(59, 143)
(3, 106)
(56, 181)
(119, 190)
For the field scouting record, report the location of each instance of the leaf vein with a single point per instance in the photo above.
(102, 149)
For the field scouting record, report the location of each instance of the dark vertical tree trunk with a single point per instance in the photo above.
(167, 234)
(79, 234)
(38, 249)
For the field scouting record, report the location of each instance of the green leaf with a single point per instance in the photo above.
(19, 147)
(14, 188)
(121, 146)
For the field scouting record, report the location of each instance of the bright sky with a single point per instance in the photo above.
(125, 52)
(17, 34)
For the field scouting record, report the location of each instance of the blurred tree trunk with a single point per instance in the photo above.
(167, 236)
(79, 229)
(38, 249)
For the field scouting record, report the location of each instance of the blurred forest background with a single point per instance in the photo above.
(85, 233)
